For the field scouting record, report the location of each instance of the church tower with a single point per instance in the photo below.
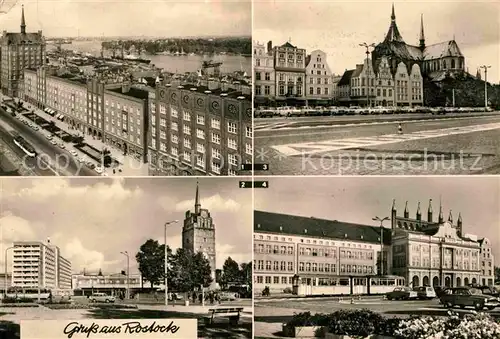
(393, 33)
(198, 232)
(422, 36)
(23, 22)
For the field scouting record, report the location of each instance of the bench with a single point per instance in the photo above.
(233, 313)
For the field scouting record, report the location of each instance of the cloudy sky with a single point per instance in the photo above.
(164, 18)
(92, 221)
(338, 27)
(359, 199)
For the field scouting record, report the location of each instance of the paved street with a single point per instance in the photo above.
(270, 315)
(52, 160)
(220, 328)
(371, 145)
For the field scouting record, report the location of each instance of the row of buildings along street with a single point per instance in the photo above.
(124, 106)
(361, 241)
(411, 96)
(182, 264)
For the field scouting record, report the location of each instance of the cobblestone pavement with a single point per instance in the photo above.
(449, 146)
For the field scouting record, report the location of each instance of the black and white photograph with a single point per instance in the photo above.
(376, 88)
(126, 248)
(377, 257)
(131, 88)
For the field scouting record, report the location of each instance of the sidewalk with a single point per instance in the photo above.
(129, 166)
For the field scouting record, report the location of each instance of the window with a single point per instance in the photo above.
(200, 119)
(174, 138)
(231, 158)
(187, 130)
(200, 133)
(163, 109)
(187, 116)
(215, 167)
(249, 132)
(216, 138)
(231, 143)
(231, 127)
(175, 126)
(215, 153)
(173, 112)
(215, 123)
(248, 149)
(200, 148)
(187, 143)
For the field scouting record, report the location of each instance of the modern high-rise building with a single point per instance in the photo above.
(39, 265)
(198, 232)
(18, 52)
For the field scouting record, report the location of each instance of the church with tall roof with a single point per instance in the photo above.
(435, 60)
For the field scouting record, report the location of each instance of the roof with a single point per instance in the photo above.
(288, 45)
(131, 92)
(357, 71)
(393, 33)
(346, 78)
(313, 227)
(443, 49)
(18, 38)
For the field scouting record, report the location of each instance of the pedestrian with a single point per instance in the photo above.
(400, 129)
(211, 298)
(200, 298)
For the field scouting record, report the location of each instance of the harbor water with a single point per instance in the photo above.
(175, 64)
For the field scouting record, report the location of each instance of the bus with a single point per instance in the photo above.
(25, 146)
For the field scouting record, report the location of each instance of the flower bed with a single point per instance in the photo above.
(347, 324)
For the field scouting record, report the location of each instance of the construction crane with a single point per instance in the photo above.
(215, 65)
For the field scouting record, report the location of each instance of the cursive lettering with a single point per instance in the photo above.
(74, 327)
(128, 328)
(136, 327)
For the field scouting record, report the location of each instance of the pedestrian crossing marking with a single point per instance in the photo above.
(308, 148)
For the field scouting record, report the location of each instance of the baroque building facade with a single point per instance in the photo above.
(318, 77)
(264, 78)
(290, 68)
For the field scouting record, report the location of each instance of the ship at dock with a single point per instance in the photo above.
(132, 57)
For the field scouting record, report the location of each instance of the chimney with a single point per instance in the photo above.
(269, 46)
(125, 88)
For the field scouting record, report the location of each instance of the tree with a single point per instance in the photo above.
(497, 275)
(246, 273)
(188, 270)
(151, 260)
(230, 272)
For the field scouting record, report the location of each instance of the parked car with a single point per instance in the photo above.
(73, 152)
(439, 291)
(468, 297)
(402, 293)
(102, 298)
(426, 292)
(489, 290)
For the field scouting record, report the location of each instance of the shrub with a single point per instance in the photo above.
(288, 290)
(68, 306)
(354, 322)
(25, 305)
(306, 319)
(10, 300)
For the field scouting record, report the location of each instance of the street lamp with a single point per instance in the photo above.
(166, 259)
(381, 241)
(5, 284)
(128, 273)
(485, 67)
(365, 45)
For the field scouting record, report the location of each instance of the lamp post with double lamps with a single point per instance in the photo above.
(381, 241)
(166, 259)
(6, 259)
(125, 253)
(367, 73)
